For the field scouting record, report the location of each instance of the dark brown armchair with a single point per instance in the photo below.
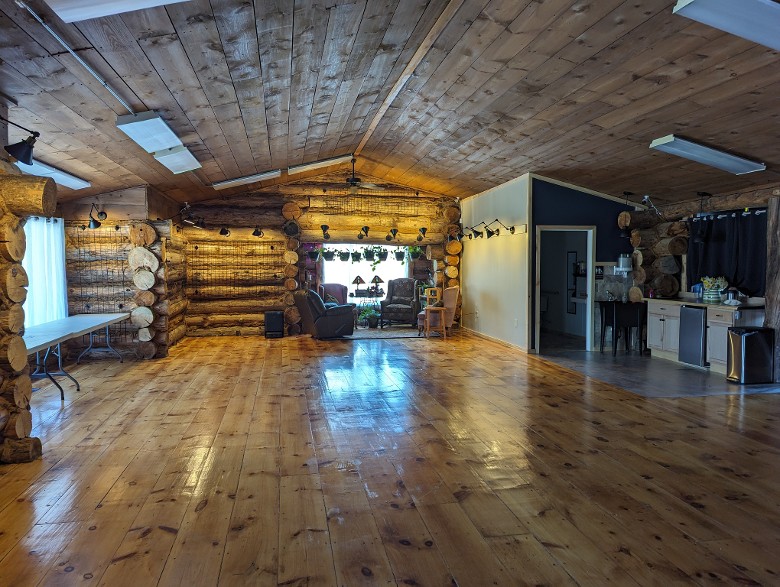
(322, 322)
(335, 291)
(401, 304)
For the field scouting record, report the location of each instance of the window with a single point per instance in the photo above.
(44, 262)
(346, 272)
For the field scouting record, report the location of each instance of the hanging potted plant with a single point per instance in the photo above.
(343, 255)
(369, 253)
(314, 254)
(382, 253)
(356, 256)
(415, 252)
(328, 254)
(400, 255)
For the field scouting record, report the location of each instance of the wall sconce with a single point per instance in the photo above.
(93, 222)
(476, 233)
(363, 233)
(23, 150)
(496, 232)
(392, 234)
(325, 233)
(224, 231)
(422, 232)
(256, 232)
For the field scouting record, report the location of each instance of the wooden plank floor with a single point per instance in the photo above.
(245, 461)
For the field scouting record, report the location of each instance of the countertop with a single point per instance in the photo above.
(751, 304)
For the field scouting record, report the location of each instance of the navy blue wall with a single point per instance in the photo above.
(553, 204)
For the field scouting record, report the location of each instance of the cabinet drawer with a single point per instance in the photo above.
(664, 309)
(722, 316)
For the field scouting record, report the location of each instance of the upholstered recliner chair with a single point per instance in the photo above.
(322, 322)
(336, 291)
(401, 304)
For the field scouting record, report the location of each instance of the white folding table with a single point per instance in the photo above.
(50, 335)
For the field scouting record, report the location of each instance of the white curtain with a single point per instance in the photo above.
(44, 261)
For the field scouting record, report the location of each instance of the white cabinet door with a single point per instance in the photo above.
(671, 333)
(717, 342)
(655, 331)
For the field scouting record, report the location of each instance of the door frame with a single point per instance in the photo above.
(590, 232)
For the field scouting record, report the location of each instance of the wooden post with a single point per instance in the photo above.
(772, 295)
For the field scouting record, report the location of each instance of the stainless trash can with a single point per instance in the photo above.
(750, 355)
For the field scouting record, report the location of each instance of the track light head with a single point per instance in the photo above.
(257, 232)
(93, 222)
(23, 150)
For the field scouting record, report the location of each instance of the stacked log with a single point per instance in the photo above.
(656, 246)
(19, 196)
(292, 317)
(233, 281)
(159, 272)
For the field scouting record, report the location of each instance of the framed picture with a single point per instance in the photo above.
(571, 281)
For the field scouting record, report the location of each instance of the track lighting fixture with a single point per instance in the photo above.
(257, 232)
(23, 150)
(476, 233)
(224, 231)
(325, 233)
(363, 233)
(93, 222)
(392, 234)
(422, 232)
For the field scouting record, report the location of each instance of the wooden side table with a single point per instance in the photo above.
(429, 310)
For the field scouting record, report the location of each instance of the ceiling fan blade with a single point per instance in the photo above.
(372, 186)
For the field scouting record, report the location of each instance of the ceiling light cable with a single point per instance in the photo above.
(86, 66)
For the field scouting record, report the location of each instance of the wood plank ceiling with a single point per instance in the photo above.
(445, 97)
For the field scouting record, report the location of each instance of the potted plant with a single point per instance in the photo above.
(314, 254)
(400, 255)
(343, 255)
(371, 316)
(415, 252)
(356, 256)
(328, 254)
(382, 253)
(369, 253)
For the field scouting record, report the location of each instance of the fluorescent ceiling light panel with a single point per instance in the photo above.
(148, 130)
(179, 159)
(706, 155)
(755, 20)
(75, 10)
(229, 183)
(318, 164)
(60, 177)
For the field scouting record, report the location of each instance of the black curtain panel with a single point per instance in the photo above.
(731, 244)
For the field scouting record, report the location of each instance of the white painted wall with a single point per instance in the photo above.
(495, 272)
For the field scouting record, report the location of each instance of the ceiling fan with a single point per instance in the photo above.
(355, 183)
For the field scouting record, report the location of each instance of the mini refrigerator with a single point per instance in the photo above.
(750, 356)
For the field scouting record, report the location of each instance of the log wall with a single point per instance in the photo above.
(19, 197)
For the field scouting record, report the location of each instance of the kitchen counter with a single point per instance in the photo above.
(752, 303)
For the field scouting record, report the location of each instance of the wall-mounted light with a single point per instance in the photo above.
(257, 232)
(392, 234)
(23, 150)
(224, 231)
(422, 232)
(496, 232)
(93, 222)
(325, 233)
(363, 233)
(476, 233)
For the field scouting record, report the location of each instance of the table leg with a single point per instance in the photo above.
(48, 374)
(108, 346)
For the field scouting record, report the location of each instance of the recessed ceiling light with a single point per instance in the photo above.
(318, 164)
(229, 183)
(62, 178)
(179, 159)
(75, 10)
(148, 130)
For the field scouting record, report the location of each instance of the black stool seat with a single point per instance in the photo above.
(622, 316)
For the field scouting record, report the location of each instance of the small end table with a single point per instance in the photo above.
(442, 326)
